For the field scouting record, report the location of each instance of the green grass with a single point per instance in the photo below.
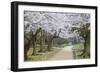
(78, 48)
(41, 56)
(61, 46)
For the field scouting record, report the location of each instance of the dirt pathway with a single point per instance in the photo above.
(63, 54)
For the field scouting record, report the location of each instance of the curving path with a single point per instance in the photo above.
(63, 54)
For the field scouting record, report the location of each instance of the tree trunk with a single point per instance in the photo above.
(34, 48)
(49, 45)
(86, 50)
(41, 41)
(26, 48)
(50, 42)
(25, 54)
(41, 46)
(34, 40)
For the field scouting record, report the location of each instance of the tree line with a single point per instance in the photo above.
(41, 38)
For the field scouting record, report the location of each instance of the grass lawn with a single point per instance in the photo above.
(78, 50)
(41, 56)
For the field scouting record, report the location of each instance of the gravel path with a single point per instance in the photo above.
(63, 54)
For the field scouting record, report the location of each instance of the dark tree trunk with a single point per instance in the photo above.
(25, 54)
(34, 46)
(86, 51)
(34, 49)
(27, 42)
(41, 41)
(26, 49)
(85, 48)
(41, 45)
(34, 39)
(49, 45)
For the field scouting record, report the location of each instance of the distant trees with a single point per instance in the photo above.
(51, 38)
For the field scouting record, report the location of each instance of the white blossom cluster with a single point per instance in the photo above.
(54, 21)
